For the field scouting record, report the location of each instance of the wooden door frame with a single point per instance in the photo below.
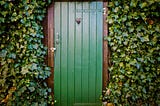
(48, 28)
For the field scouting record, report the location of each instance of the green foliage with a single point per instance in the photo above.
(22, 68)
(134, 39)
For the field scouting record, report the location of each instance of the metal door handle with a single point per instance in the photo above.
(57, 40)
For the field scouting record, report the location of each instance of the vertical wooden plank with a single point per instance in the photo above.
(50, 36)
(99, 25)
(71, 49)
(92, 64)
(105, 49)
(64, 49)
(85, 54)
(57, 68)
(78, 63)
(48, 41)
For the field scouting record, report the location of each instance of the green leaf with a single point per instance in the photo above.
(110, 21)
(108, 38)
(142, 76)
(35, 46)
(3, 62)
(121, 64)
(138, 65)
(144, 90)
(116, 9)
(12, 55)
(131, 29)
(25, 70)
(143, 4)
(157, 28)
(124, 18)
(49, 90)
(145, 38)
(32, 89)
(3, 53)
(125, 34)
(33, 66)
(23, 89)
(133, 3)
(40, 18)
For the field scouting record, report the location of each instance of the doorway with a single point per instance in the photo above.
(78, 57)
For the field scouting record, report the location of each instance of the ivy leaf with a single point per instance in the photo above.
(142, 76)
(143, 4)
(4, 13)
(17, 65)
(116, 9)
(133, 62)
(116, 3)
(121, 64)
(30, 47)
(109, 38)
(126, 8)
(143, 16)
(126, 85)
(157, 28)
(145, 38)
(23, 89)
(33, 66)
(125, 34)
(47, 73)
(110, 20)
(124, 18)
(133, 3)
(3, 53)
(144, 90)
(47, 68)
(129, 23)
(12, 55)
(31, 89)
(3, 63)
(138, 65)
(131, 29)
(24, 70)
(40, 18)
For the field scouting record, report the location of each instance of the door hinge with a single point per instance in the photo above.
(104, 11)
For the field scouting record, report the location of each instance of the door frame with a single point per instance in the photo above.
(48, 29)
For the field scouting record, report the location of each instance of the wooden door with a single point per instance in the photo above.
(78, 56)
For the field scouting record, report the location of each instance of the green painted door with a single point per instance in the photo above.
(78, 56)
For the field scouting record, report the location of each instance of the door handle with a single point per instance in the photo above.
(58, 38)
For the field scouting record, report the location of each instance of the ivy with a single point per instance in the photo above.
(22, 68)
(134, 40)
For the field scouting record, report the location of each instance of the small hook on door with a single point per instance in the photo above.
(78, 20)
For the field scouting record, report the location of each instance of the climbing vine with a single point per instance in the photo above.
(134, 40)
(22, 68)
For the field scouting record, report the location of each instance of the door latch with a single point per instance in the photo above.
(52, 49)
